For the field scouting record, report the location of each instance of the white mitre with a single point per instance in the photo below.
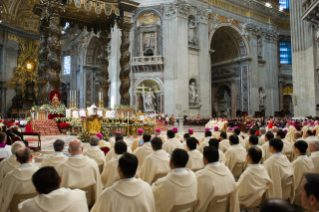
(92, 110)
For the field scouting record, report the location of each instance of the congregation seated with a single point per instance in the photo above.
(216, 133)
(246, 140)
(52, 197)
(172, 142)
(195, 157)
(143, 151)
(216, 185)
(205, 136)
(10, 163)
(103, 143)
(112, 153)
(19, 180)
(287, 149)
(80, 171)
(57, 157)
(309, 138)
(276, 205)
(261, 140)
(265, 146)
(191, 133)
(208, 136)
(302, 165)
(215, 143)
(128, 193)
(253, 141)
(158, 134)
(137, 142)
(94, 152)
(5, 149)
(314, 149)
(235, 156)
(156, 164)
(110, 175)
(177, 134)
(240, 138)
(224, 143)
(178, 188)
(254, 182)
(279, 169)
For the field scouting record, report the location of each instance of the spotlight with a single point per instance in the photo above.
(268, 5)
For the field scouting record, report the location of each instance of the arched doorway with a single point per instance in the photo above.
(229, 71)
(288, 108)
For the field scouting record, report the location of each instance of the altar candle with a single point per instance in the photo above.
(128, 117)
(74, 94)
(70, 94)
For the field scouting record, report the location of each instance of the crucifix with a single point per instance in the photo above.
(143, 91)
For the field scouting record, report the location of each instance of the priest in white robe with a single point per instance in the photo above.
(291, 133)
(304, 129)
(287, 150)
(195, 159)
(314, 149)
(235, 153)
(19, 180)
(262, 132)
(52, 197)
(10, 163)
(138, 141)
(278, 168)
(309, 138)
(301, 166)
(208, 136)
(253, 141)
(215, 143)
(172, 143)
(179, 187)
(57, 157)
(143, 151)
(156, 163)
(254, 182)
(128, 193)
(215, 180)
(110, 175)
(229, 132)
(216, 133)
(158, 134)
(112, 153)
(298, 137)
(240, 138)
(205, 136)
(224, 143)
(94, 152)
(5, 150)
(80, 171)
(177, 134)
(265, 146)
(246, 140)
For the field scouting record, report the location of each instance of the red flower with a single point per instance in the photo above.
(64, 125)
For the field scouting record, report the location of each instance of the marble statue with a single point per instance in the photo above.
(192, 92)
(215, 22)
(226, 97)
(55, 101)
(192, 25)
(261, 98)
(150, 100)
(243, 29)
(259, 47)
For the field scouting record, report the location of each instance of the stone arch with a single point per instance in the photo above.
(155, 79)
(91, 51)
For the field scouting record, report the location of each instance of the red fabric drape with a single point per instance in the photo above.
(28, 128)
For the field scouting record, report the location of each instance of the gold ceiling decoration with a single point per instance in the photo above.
(28, 63)
(288, 90)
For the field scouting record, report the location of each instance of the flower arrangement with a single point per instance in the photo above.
(105, 133)
(124, 107)
(84, 136)
(64, 125)
(58, 110)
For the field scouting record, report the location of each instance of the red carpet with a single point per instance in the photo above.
(161, 126)
(46, 127)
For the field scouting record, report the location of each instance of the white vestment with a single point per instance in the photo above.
(110, 174)
(80, 172)
(278, 169)
(156, 163)
(241, 140)
(62, 200)
(204, 143)
(171, 144)
(95, 153)
(267, 153)
(224, 145)
(246, 142)
(112, 153)
(315, 160)
(54, 160)
(261, 140)
(252, 184)
(126, 195)
(287, 149)
(142, 152)
(18, 181)
(5, 152)
(136, 143)
(215, 180)
(195, 160)
(234, 154)
(7, 165)
(174, 189)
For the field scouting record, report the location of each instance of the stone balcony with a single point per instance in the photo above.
(310, 11)
(147, 64)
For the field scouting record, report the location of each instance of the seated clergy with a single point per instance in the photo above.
(310, 192)
(191, 133)
(18, 181)
(216, 133)
(240, 138)
(253, 141)
(265, 146)
(128, 193)
(177, 135)
(276, 205)
(110, 175)
(156, 163)
(10, 163)
(261, 140)
(138, 141)
(5, 150)
(287, 149)
(143, 151)
(52, 197)
(215, 180)
(158, 134)
(254, 181)
(278, 168)
(179, 187)
(301, 165)
(112, 153)
(314, 149)
(309, 138)
(57, 157)
(235, 153)
(246, 140)
(80, 171)
(205, 136)
(94, 152)
(195, 159)
(224, 143)
(298, 137)
(208, 136)
(215, 143)
(172, 143)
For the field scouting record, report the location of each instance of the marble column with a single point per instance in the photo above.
(305, 78)
(274, 68)
(281, 96)
(233, 100)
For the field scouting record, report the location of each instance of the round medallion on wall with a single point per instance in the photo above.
(29, 66)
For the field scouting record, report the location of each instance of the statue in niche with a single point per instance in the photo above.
(55, 101)
(243, 27)
(226, 97)
(262, 97)
(259, 47)
(192, 27)
(150, 100)
(215, 22)
(148, 19)
(192, 93)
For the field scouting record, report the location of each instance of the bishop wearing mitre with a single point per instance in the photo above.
(80, 171)
(57, 157)
(215, 180)
(143, 151)
(110, 175)
(172, 142)
(94, 152)
(278, 168)
(254, 181)
(138, 141)
(156, 163)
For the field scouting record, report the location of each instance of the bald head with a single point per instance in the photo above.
(314, 145)
(297, 135)
(24, 155)
(75, 147)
